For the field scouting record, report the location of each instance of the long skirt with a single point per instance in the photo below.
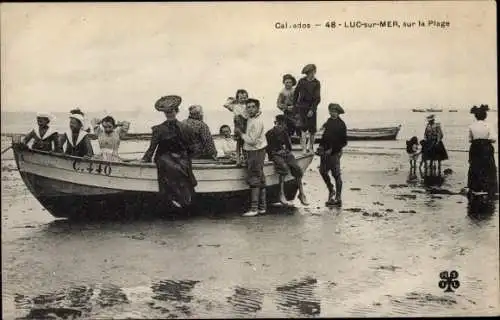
(435, 151)
(482, 175)
(176, 180)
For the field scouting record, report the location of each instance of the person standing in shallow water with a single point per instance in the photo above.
(285, 103)
(255, 146)
(330, 150)
(172, 143)
(44, 138)
(306, 99)
(482, 175)
(435, 150)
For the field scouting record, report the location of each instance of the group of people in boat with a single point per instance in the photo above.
(175, 143)
(482, 174)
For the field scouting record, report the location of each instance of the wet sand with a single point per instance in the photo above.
(379, 255)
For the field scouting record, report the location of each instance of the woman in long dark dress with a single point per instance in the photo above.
(173, 142)
(482, 175)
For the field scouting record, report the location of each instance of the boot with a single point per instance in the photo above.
(254, 202)
(262, 201)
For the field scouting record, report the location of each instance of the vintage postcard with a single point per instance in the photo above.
(254, 159)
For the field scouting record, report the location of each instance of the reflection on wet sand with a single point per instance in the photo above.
(297, 298)
(246, 301)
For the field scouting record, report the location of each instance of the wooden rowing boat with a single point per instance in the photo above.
(383, 133)
(73, 187)
(433, 110)
(418, 110)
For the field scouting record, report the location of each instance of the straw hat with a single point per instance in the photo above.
(308, 68)
(289, 77)
(336, 107)
(482, 108)
(168, 102)
(430, 117)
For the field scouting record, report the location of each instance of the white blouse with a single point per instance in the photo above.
(481, 130)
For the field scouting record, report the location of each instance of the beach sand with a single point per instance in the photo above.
(379, 255)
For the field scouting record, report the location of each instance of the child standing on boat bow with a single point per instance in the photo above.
(238, 108)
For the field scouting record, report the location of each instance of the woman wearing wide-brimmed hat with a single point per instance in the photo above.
(306, 99)
(173, 142)
(44, 138)
(285, 103)
(433, 148)
(482, 175)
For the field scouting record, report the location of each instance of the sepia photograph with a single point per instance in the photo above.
(262, 159)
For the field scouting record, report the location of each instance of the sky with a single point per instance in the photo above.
(124, 56)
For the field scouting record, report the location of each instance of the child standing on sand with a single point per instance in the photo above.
(238, 107)
(413, 153)
(255, 146)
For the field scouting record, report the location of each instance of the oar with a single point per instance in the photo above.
(4, 150)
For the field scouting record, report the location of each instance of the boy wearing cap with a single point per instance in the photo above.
(306, 99)
(330, 149)
(255, 146)
(44, 138)
(279, 150)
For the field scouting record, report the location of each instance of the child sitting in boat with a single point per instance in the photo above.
(228, 145)
(413, 152)
(86, 127)
(109, 134)
(77, 140)
(238, 108)
(44, 138)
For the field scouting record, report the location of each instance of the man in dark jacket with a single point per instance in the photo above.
(330, 149)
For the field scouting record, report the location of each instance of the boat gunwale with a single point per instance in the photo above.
(196, 166)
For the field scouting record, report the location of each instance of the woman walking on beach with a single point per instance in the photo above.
(109, 134)
(173, 142)
(285, 103)
(482, 176)
(434, 146)
(306, 98)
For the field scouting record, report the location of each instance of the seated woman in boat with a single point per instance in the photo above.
(109, 134)
(482, 175)
(86, 127)
(204, 142)
(44, 138)
(228, 145)
(172, 143)
(77, 140)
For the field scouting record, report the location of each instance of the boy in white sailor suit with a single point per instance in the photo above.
(76, 139)
(44, 138)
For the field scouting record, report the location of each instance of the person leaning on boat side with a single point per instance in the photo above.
(334, 138)
(204, 146)
(44, 138)
(306, 98)
(435, 150)
(109, 134)
(77, 140)
(482, 176)
(279, 151)
(285, 103)
(172, 143)
(255, 146)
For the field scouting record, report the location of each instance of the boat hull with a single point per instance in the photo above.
(76, 188)
(386, 133)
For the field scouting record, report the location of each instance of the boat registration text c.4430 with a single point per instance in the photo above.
(91, 167)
